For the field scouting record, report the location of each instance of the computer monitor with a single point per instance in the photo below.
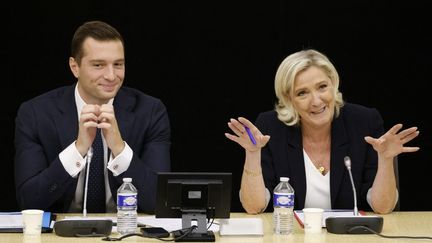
(194, 197)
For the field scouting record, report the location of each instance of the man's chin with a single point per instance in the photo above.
(107, 95)
(109, 90)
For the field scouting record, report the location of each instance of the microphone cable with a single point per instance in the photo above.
(353, 229)
(185, 232)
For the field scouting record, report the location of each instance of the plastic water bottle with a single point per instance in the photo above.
(283, 206)
(127, 207)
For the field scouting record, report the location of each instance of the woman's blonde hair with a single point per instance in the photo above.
(284, 82)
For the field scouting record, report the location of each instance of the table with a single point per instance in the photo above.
(396, 223)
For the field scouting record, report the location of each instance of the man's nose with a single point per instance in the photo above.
(109, 73)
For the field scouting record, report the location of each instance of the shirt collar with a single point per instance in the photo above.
(80, 102)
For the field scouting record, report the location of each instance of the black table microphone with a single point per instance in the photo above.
(348, 224)
(87, 227)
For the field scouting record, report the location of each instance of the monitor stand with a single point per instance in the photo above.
(199, 234)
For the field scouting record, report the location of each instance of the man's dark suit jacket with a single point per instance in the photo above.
(283, 155)
(47, 124)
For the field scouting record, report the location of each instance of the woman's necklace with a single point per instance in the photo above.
(315, 154)
(321, 169)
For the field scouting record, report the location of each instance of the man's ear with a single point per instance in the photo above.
(74, 66)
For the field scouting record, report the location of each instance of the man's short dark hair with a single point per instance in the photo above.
(97, 30)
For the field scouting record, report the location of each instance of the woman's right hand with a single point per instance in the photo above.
(242, 137)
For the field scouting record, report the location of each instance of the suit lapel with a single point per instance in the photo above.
(66, 121)
(123, 106)
(67, 118)
(297, 170)
(339, 149)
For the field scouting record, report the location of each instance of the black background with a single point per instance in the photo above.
(209, 61)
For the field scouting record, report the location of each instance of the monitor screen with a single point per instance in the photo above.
(182, 192)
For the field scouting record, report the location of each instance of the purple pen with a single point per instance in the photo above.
(250, 135)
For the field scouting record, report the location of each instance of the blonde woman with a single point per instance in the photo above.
(307, 137)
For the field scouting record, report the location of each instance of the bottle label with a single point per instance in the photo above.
(283, 199)
(127, 200)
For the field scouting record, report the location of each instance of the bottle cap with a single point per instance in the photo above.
(284, 179)
(127, 179)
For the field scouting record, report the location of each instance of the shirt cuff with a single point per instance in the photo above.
(72, 160)
(121, 162)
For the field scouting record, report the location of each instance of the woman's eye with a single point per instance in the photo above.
(301, 93)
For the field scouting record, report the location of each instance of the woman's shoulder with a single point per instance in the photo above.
(358, 115)
(269, 123)
(356, 110)
(268, 116)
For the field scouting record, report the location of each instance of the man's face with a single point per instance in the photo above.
(101, 71)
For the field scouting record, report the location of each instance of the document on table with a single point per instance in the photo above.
(12, 222)
(327, 213)
(241, 226)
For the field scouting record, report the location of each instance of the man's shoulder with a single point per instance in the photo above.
(52, 95)
(126, 91)
(134, 99)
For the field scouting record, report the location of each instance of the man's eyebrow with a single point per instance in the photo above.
(97, 60)
(102, 60)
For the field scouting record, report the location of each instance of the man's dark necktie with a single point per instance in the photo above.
(96, 183)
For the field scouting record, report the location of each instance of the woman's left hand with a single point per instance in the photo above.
(392, 142)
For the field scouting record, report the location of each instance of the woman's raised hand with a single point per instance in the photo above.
(392, 142)
(252, 141)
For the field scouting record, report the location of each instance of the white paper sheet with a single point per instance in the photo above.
(242, 226)
(10, 220)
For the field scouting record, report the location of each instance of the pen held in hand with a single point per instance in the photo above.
(250, 135)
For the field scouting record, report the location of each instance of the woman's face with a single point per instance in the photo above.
(313, 97)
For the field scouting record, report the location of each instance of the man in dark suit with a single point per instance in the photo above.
(55, 131)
